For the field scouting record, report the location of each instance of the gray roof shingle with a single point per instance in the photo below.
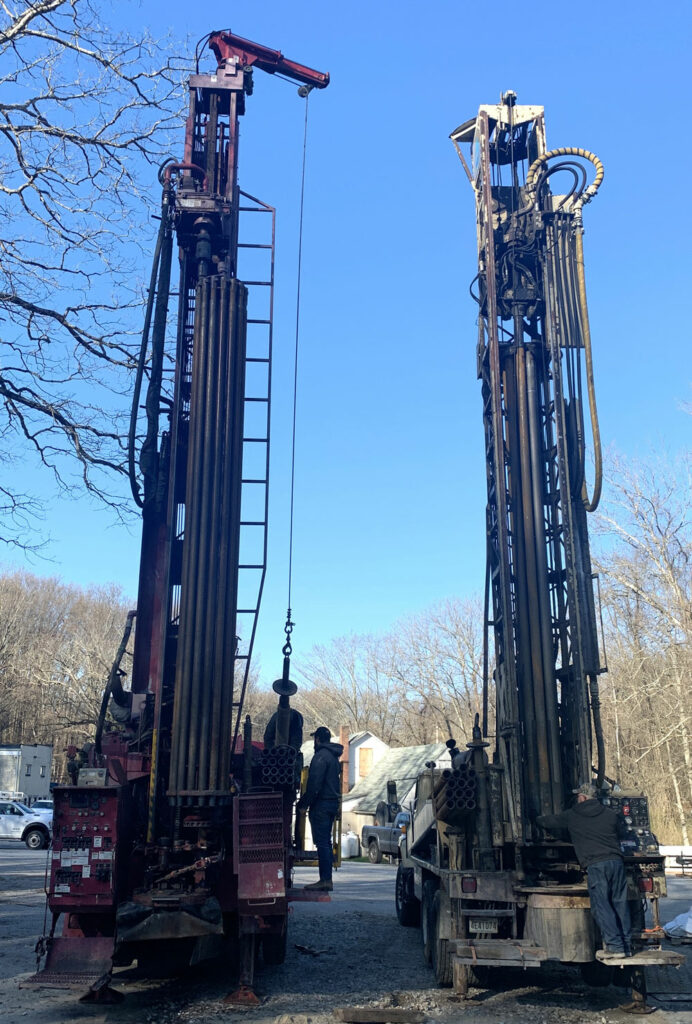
(403, 765)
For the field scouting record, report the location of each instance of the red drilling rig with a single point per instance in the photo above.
(173, 841)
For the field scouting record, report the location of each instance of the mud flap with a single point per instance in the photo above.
(76, 961)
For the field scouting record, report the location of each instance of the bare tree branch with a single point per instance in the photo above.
(86, 116)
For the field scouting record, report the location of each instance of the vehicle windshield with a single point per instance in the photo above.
(23, 807)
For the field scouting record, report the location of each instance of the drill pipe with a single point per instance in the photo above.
(200, 751)
(441, 781)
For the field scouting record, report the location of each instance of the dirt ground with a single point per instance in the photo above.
(351, 951)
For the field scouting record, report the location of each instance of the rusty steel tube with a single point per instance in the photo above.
(538, 501)
(537, 676)
(204, 673)
(218, 573)
(523, 662)
(207, 487)
(185, 708)
(441, 781)
(234, 465)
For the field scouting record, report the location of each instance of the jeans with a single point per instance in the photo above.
(608, 891)
(322, 815)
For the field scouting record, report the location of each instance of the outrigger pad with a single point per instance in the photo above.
(102, 994)
(243, 996)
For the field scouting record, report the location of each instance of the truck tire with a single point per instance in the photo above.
(374, 852)
(407, 906)
(441, 953)
(35, 839)
(427, 922)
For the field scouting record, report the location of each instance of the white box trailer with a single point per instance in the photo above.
(25, 769)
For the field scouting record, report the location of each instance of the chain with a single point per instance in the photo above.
(287, 649)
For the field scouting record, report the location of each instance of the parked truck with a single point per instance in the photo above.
(384, 839)
(488, 887)
(24, 824)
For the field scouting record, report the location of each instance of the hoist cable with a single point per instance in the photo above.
(289, 624)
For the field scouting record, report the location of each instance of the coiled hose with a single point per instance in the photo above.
(588, 194)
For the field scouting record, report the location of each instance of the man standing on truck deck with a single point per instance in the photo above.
(321, 799)
(594, 833)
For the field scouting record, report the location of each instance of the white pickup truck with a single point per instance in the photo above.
(17, 821)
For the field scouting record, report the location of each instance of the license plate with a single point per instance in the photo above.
(483, 924)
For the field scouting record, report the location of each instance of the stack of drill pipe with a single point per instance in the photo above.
(456, 794)
(207, 646)
(278, 767)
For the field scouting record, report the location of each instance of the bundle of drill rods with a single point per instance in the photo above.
(278, 766)
(454, 793)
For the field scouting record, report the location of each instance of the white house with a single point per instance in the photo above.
(362, 751)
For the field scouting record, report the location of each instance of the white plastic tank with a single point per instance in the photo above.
(350, 846)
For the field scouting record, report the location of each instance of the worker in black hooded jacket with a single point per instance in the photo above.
(594, 831)
(321, 799)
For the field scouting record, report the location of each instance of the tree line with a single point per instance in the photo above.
(421, 681)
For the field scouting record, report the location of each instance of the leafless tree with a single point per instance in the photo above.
(86, 115)
(350, 682)
(57, 644)
(421, 682)
(646, 560)
(438, 661)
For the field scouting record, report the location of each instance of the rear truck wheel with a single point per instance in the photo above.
(479, 977)
(274, 947)
(374, 852)
(407, 906)
(35, 839)
(441, 953)
(426, 917)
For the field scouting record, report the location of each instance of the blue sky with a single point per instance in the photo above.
(390, 480)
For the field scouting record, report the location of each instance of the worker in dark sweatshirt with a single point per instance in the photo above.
(321, 799)
(594, 831)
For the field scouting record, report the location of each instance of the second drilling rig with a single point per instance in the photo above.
(487, 885)
(173, 842)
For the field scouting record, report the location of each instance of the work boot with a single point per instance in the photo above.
(322, 886)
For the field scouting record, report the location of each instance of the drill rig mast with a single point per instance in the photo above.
(533, 331)
(490, 887)
(167, 843)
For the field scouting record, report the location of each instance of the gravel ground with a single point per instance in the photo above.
(351, 951)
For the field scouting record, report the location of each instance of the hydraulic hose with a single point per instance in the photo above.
(588, 194)
(114, 687)
(590, 503)
(132, 435)
(164, 229)
(148, 459)
(595, 701)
